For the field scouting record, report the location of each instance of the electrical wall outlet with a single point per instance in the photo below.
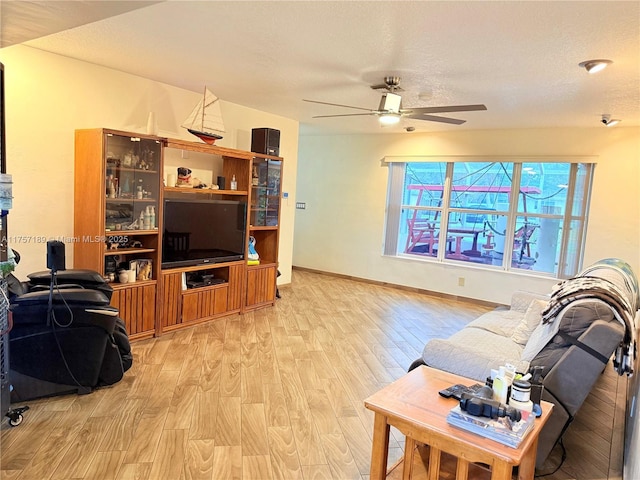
(301, 205)
(461, 281)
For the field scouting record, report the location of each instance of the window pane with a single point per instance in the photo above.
(419, 235)
(544, 188)
(419, 227)
(583, 184)
(481, 185)
(423, 184)
(537, 244)
(493, 240)
(572, 252)
(476, 242)
(524, 236)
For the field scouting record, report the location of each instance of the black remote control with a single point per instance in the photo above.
(458, 389)
(452, 390)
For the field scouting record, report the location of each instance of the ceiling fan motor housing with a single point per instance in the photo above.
(390, 103)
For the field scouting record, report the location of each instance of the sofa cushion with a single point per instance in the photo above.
(520, 300)
(473, 352)
(531, 319)
(499, 321)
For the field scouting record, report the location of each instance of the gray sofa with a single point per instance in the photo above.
(571, 334)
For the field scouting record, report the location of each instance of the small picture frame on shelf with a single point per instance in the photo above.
(144, 269)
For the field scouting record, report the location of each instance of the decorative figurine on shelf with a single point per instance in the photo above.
(185, 180)
(144, 270)
(253, 258)
(127, 160)
(126, 188)
(150, 160)
(112, 186)
(255, 180)
(184, 177)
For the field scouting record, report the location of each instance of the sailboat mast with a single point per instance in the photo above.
(204, 104)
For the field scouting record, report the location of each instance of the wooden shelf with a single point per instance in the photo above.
(122, 286)
(209, 191)
(130, 199)
(210, 149)
(128, 251)
(263, 227)
(262, 265)
(204, 266)
(115, 233)
(264, 155)
(205, 287)
(130, 169)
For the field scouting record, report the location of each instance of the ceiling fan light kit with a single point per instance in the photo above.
(390, 102)
(389, 109)
(389, 118)
(595, 66)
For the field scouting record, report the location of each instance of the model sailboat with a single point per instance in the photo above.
(205, 121)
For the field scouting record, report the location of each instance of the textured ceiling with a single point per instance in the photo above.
(518, 58)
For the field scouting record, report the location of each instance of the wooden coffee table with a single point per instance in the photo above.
(413, 406)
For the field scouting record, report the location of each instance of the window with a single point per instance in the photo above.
(508, 215)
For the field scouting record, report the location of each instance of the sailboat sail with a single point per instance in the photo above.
(205, 121)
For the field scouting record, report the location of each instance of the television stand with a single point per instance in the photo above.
(200, 293)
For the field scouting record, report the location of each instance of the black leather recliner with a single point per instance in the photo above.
(78, 344)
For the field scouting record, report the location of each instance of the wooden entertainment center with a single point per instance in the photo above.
(118, 220)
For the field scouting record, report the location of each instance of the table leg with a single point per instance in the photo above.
(462, 469)
(527, 468)
(434, 463)
(459, 244)
(458, 253)
(380, 448)
(501, 471)
(409, 450)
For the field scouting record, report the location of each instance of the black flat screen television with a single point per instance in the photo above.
(201, 231)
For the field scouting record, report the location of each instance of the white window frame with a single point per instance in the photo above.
(396, 189)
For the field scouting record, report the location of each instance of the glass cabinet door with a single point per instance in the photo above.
(265, 192)
(131, 183)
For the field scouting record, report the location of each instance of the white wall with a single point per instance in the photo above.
(49, 96)
(344, 185)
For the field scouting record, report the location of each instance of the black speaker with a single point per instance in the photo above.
(221, 183)
(55, 255)
(265, 140)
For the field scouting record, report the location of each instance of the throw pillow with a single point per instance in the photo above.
(531, 319)
(542, 335)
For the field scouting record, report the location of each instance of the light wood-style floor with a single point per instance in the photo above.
(273, 394)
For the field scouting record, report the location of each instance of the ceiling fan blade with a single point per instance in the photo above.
(433, 118)
(452, 108)
(344, 115)
(336, 105)
(384, 86)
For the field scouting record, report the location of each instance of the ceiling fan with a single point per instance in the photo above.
(390, 109)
